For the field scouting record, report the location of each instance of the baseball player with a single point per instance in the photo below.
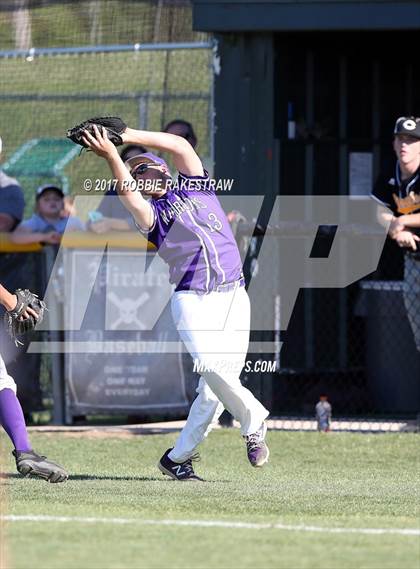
(210, 306)
(28, 462)
(399, 191)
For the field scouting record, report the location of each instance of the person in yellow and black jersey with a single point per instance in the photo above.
(399, 192)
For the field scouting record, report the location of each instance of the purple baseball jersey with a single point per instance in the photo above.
(193, 236)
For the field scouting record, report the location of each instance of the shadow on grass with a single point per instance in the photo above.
(142, 479)
(127, 478)
(6, 476)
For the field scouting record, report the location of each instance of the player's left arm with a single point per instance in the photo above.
(183, 154)
(412, 220)
(389, 221)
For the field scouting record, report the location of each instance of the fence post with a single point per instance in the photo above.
(143, 103)
(57, 375)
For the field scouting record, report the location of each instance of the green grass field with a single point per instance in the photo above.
(327, 481)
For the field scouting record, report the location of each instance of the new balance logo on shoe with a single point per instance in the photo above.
(178, 471)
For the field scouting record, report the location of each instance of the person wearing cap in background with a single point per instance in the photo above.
(47, 224)
(111, 215)
(399, 191)
(12, 201)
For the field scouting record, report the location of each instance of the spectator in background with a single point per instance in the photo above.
(46, 225)
(399, 191)
(14, 274)
(111, 215)
(12, 202)
(183, 128)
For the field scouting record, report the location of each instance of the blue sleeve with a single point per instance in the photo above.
(12, 202)
(76, 224)
(31, 224)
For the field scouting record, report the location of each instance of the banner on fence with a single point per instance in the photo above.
(120, 378)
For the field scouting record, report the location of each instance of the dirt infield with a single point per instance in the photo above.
(285, 424)
(113, 431)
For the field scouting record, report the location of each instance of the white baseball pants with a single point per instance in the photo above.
(215, 330)
(6, 380)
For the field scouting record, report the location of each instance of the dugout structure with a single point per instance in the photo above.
(306, 96)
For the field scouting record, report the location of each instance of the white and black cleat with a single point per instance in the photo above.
(182, 471)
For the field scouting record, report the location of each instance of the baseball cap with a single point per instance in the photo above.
(145, 158)
(408, 125)
(48, 187)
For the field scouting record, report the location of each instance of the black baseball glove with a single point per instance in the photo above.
(16, 322)
(113, 125)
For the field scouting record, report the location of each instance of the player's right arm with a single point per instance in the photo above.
(183, 154)
(407, 239)
(7, 299)
(131, 198)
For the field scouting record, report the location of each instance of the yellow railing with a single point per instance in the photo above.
(83, 240)
(6, 245)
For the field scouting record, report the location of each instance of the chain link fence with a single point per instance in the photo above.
(137, 60)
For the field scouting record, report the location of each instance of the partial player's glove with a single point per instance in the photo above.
(15, 322)
(113, 125)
